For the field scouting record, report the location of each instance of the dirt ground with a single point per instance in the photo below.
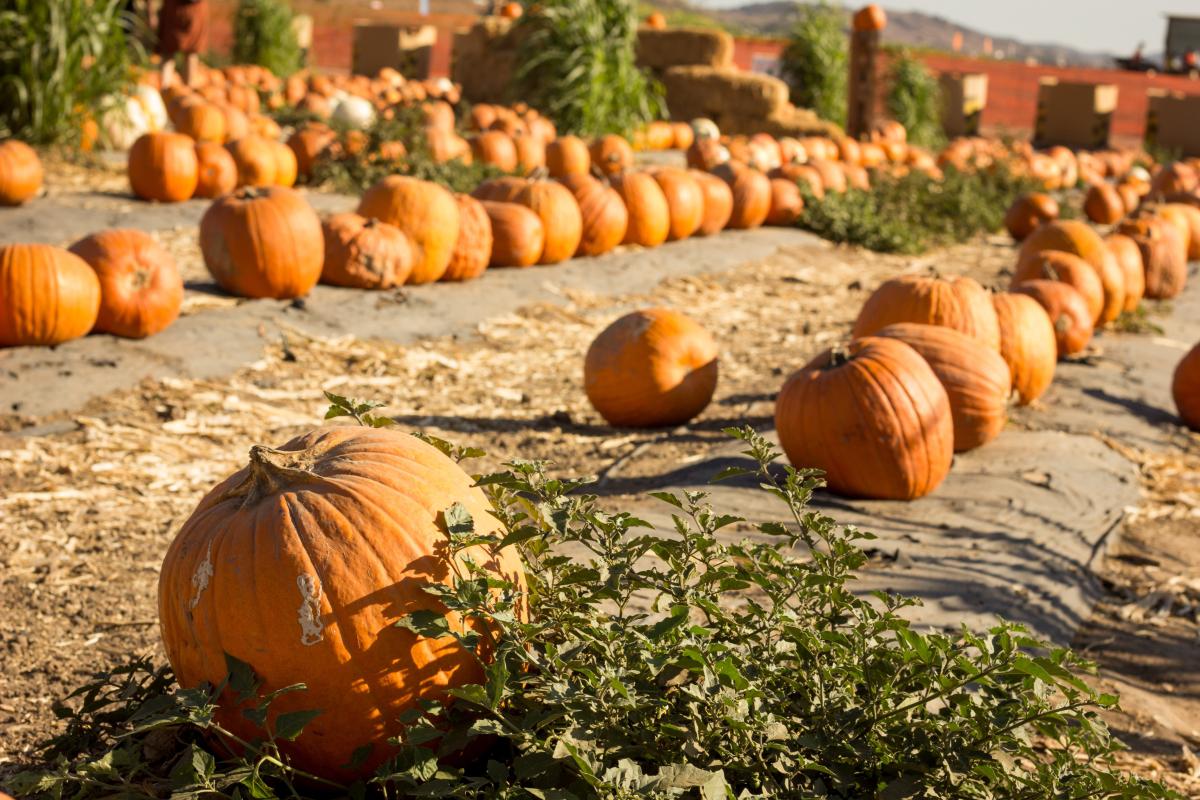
(90, 498)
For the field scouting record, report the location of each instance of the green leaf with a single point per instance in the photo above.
(290, 725)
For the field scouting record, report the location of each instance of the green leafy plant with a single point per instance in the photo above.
(915, 100)
(815, 63)
(577, 65)
(263, 35)
(60, 61)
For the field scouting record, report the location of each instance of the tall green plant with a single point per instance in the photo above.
(578, 66)
(60, 60)
(915, 100)
(816, 62)
(263, 35)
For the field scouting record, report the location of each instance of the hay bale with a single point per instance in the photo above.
(697, 91)
(485, 59)
(792, 121)
(658, 50)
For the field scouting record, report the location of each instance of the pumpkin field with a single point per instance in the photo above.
(357, 440)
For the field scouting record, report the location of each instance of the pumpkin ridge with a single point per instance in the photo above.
(911, 461)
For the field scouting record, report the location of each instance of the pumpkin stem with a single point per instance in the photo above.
(838, 355)
(272, 471)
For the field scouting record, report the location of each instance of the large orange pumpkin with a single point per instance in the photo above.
(568, 155)
(1129, 259)
(1027, 344)
(263, 242)
(955, 302)
(651, 368)
(473, 250)
(426, 212)
(561, 219)
(1080, 239)
(531, 153)
(1185, 388)
(286, 166)
(605, 218)
(47, 295)
(1164, 256)
(611, 154)
(217, 172)
(20, 173)
(1054, 265)
(787, 204)
(1186, 218)
(976, 378)
(649, 215)
(685, 201)
(1068, 311)
(718, 202)
(518, 236)
(321, 547)
(364, 253)
(873, 416)
(751, 194)
(141, 290)
(495, 148)
(204, 122)
(256, 159)
(1103, 204)
(163, 167)
(1029, 211)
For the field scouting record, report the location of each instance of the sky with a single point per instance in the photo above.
(1113, 26)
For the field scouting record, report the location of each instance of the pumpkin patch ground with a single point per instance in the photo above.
(1079, 520)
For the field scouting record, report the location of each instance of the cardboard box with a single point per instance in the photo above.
(406, 49)
(963, 99)
(1074, 114)
(1171, 122)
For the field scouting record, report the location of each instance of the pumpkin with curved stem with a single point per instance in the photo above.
(603, 212)
(649, 215)
(1080, 239)
(163, 167)
(718, 202)
(342, 530)
(263, 242)
(751, 194)
(256, 159)
(611, 154)
(1029, 211)
(495, 148)
(20, 173)
(1185, 388)
(787, 204)
(651, 368)
(428, 215)
(685, 201)
(561, 219)
(1129, 260)
(47, 295)
(363, 253)
(956, 302)
(473, 250)
(1068, 312)
(1027, 344)
(1103, 204)
(1164, 257)
(568, 155)
(873, 416)
(518, 236)
(1053, 265)
(141, 290)
(976, 378)
(216, 171)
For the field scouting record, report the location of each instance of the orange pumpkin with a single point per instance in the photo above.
(568, 155)
(286, 166)
(1129, 259)
(611, 154)
(20, 173)
(343, 523)
(833, 177)
(685, 201)
(649, 215)
(1029, 211)
(751, 194)
(1103, 204)
(561, 219)
(263, 242)
(518, 235)
(47, 295)
(473, 250)
(869, 18)
(511, 10)
(651, 368)
(141, 290)
(501, 190)
(1177, 176)
(495, 148)
(204, 122)
(955, 302)
(216, 170)
(718, 202)
(308, 143)
(801, 174)
(1068, 311)
(1186, 218)
(787, 204)
(257, 161)
(1185, 388)
(1164, 256)
(682, 135)
(1027, 344)
(1080, 239)
(656, 21)
(873, 416)
(1054, 265)
(363, 253)
(426, 212)
(531, 153)
(603, 212)
(163, 167)
(237, 124)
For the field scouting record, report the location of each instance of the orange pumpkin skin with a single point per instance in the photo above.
(685, 201)
(1079, 238)
(426, 212)
(163, 167)
(518, 236)
(237, 124)
(363, 253)
(216, 171)
(649, 215)
(531, 153)
(20, 173)
(1175, 177)
(1068, 311)
(611, 154)
(833, 178)
(1186, 218)
(501, 190)
(656, 21)
(204, 122)
(751, 195)
(787, 204)
(955, 302)
(605, 218)
(874, 417)
(869, 18)
(473, 250)
(263, 242)
(308, 143)
(682, 135)
(1185, 388)
(47, 295)
(256, 159)
(141, 290)
(652, 368)
(801, 173)
(561, 219)
(495, 148)
(568, 155)
(1129, 260)
(718, 202)
(340, 529)
(1103, 204)
(1164, 257)
(1053, 265)
(1027, 344)
(1029, 211)
(976, 378)
(286, 166)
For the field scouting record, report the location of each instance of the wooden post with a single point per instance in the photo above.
(864, 55)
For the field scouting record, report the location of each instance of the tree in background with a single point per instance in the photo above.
(263, 35)
(816, 61)
(915, 100)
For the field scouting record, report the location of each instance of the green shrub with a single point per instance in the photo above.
(263, 35)
(61, 60)
(815, 63)
(915, 100)
(578, 66)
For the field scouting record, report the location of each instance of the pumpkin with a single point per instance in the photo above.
(751, 194)
(833, 178)
(482, 116)
(1068, 311)
(1185, 388)
(568, 155)
(856, 177)
(1186, 219)
(1103, 204)
(141, 290)
(682, 135)
(649, 215)
(257, 160)
(216, 170)
(656, 21)
(512, 10)
(237, 124)
(561, 219)
(1164, 257)
(20, 173)
(1130, 197)
(685, 201)
(426, 212)
(204, 122)
(308, 143)
(502, 190)
(1055, 265)
(345, 525)
(873, 416)
(611, 154)
(47, 295)
(955, 302)
(651, 368)
(801, 173)
(787, 204)
(473, 250)
(286, 166)
(531, 153)
(1027, 344)
(603, 213)
(869, 18)
(1080, 239)
(1029, 211)
(163, 167)
(518, 235)
(263, 242)
(495, 148)
(354, 112)
(706, 154)
(718, 202)
(363, 253)
(1129, 260)
(1175, 177)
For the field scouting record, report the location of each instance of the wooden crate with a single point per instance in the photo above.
(964, 97)
(1074, 114)
(1172, 121)
(404, 48)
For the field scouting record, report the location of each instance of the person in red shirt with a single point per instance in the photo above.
(182, 28)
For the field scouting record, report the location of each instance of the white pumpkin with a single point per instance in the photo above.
(705, 128)
(123, 123)
(152, 104)
(357, 112)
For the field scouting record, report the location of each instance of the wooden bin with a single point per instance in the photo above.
(1074, 114)
(964, 97)
(406, 49)
(1172, 122)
